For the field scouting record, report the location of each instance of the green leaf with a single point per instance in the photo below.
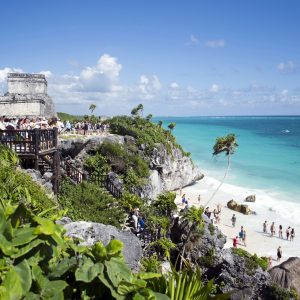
(88, 271)
(117, 271)
(109, 285)
(63, 266)
(7, 247)
(24, 250)
(13, 286)
(99, 251)
(54, 289)
(24, 273)
(23, 236)
(148, 275)
(114, 247)
(46, 227)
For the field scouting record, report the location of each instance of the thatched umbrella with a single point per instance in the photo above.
(287, 274)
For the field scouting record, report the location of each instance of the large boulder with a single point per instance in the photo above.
(287, 274)
(242, 208)
(90, 233)
(250, 198)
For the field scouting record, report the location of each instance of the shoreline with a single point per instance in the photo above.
(256, 242)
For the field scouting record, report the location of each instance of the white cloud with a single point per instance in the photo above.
(193, 40)
(3, 77)
(284, 92)
(215, 88)
(148, 86)
(48, 74)
(174, 85)
(215, 44)
(288, 66)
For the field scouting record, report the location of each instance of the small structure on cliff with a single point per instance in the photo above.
(26, 96)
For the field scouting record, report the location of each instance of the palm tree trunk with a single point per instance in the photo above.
(222, 181)
(184, 246)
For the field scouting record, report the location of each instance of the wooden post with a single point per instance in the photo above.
(56, 164)
(36, 144)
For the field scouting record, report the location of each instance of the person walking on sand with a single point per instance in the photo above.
(244, 237)
(272, 228)
(199, 198)
(292, 234)
(287, 232)
(233, 220)
(270, 262)
(265, 227)
(280, 232)
(279, 253)
(235, 242)
(241, 233)
(183, 200)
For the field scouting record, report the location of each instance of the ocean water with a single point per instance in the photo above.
(267, 160)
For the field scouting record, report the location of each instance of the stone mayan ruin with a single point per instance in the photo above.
(26, 97)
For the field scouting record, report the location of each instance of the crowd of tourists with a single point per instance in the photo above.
(26, 123)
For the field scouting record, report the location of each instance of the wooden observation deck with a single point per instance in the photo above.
(34, 147)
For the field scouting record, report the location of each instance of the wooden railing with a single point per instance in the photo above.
(29, 141)
(104, 181)
(71, 171)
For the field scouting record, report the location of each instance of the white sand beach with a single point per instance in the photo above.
(256, 242)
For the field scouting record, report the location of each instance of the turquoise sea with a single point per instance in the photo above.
(268, 156)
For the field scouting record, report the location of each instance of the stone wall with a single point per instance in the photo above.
(19, 83)
(26, 96)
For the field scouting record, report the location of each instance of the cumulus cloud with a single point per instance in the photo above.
(194, 40)
(148, 86)
(215, 44)
(3, 77)
(288, 66)
(215, 88)
(174, 85)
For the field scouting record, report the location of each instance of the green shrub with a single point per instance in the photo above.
(207, 260)
(278, 293)
(165, 204)
(97, 164)
(89, 202)
(130, 201)
(13, 182)
(211, 229)
(252, 262)
(151, 264)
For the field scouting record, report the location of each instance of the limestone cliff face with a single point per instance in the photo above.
(168, 170)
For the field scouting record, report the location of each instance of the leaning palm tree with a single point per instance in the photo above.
(171, 126)
(225, 144)
(194, 216)
(92, 108)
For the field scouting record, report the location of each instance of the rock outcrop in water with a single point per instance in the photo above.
(168, 171)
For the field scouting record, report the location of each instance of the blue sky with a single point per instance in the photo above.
(175, 57)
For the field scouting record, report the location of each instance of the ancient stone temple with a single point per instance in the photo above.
(26, 96)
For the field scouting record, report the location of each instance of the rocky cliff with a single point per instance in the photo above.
(168, 170)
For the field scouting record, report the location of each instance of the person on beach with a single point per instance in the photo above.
(244, 237)
(287, 232)
(280, 232)
(270, 262)
(241, 233)
(233, 220)
(207, 212)
(272, 228)
(199, 198)
(292, 234)
(183, 199)
(265, 227)
(235, 241)
(279, 253)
